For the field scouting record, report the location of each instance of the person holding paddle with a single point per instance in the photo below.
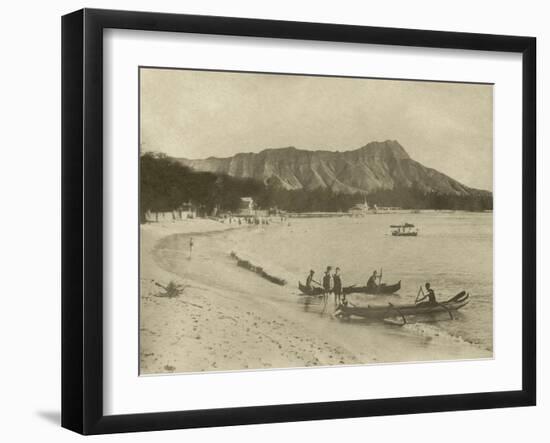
(430, 295)
(372, 286)
(310, 281)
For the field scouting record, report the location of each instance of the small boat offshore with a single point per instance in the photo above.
(404, 230)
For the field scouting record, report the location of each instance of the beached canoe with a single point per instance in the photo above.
(306, 291)
(383, 312)
(382, 289)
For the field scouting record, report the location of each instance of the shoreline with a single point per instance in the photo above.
(207, 328)
(229, 318)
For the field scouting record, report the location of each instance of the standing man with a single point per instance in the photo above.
(327, 281)
(191, 243)
(337, 287)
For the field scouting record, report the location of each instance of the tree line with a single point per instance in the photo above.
(165, 185)
(414, 198)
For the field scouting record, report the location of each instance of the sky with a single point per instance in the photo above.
(199, 114)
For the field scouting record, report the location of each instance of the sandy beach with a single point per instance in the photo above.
(229, 318)
(216, 324)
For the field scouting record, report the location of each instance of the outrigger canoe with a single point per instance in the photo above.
(389, 311)
(380, 290)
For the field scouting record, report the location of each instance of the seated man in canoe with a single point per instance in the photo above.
(310, 281)
(372, 286)
(430, 295)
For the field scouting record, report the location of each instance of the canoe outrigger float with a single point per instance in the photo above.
(382, 289)
(389, 311)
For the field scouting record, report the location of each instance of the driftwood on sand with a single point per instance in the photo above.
(170, 290)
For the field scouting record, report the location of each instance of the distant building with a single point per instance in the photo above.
(187, 210)
(184, 211)
(360, 209)
(388, 208)
(246, 206)
(275, 211)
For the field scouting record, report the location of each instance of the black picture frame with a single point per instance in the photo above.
(82, 219)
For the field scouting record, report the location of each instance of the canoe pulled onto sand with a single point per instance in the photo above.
(307, 291)
(383, 312)
(382, 289)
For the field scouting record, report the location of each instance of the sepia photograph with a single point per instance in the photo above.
(293, 221)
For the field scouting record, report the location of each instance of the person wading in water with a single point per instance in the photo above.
(327, 281)
(337, 287)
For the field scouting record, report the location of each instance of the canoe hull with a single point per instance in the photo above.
(383, 312)
(306, 291)
(380, 290)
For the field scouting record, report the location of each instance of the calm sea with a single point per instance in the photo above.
(453, 251)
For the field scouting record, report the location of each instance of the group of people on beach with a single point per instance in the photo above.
(332, 284)
(246, 220)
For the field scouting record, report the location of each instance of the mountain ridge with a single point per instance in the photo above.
(374, 166)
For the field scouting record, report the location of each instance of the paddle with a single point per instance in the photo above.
(317, 283)
(420, 291)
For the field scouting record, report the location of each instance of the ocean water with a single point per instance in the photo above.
(453, 251)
